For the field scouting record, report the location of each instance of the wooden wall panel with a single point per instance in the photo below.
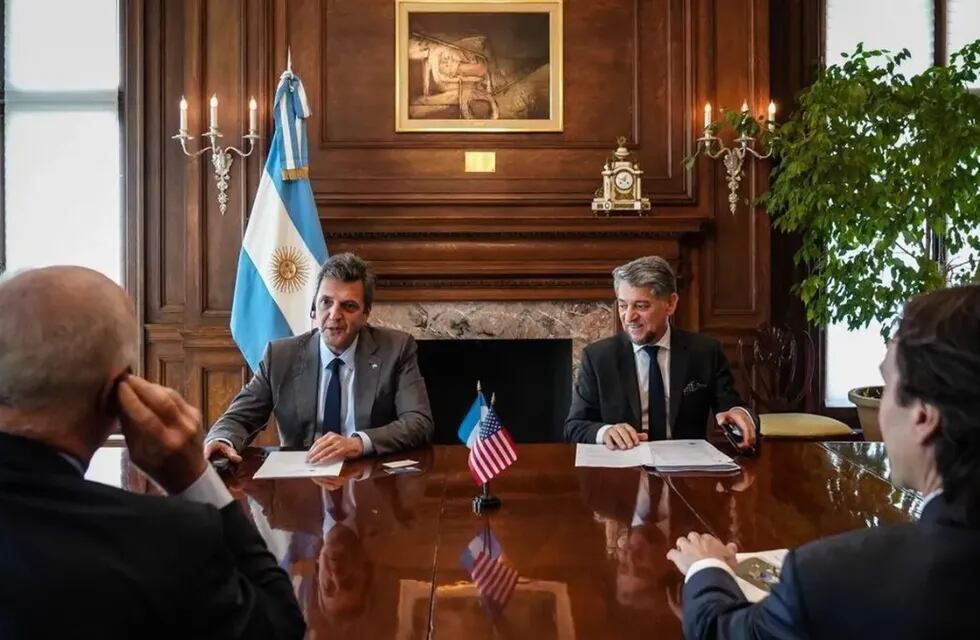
(214, 372)
(640, 68)
(736, 270)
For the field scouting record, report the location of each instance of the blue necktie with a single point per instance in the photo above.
(656, 404)
(331, 407)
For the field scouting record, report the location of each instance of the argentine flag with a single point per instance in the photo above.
(283, 245)
(469, 427)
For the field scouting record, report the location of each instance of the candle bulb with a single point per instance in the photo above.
(183, 114)
(214, 111)
(253, 115)
(707, 117)
(772, 115)
(745, 106)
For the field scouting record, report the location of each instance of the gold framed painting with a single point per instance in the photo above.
(478, 66)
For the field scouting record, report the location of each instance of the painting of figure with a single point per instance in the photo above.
(473, 67)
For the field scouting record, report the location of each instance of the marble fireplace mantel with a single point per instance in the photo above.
(581, 322)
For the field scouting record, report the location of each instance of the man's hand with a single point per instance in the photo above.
(698, 546)
(219, 449)
(740, 418)
(334, 445)
(163, 433)
(622, 436)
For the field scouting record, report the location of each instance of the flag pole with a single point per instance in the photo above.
(486, 501)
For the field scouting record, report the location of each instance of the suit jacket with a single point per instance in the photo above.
(84, 560)
(913, 580)
(390, 402)
(607, 392)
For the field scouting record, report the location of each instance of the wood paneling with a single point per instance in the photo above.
(640, 68)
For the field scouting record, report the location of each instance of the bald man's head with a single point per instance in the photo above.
(65, 332)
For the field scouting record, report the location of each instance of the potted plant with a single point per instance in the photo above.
(879, 174)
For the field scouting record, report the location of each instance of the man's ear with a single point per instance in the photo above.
(927, 422)
(108, 395)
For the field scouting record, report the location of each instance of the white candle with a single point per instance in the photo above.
(772, 115)
(253, 115)
(745, 106)
(707, 116)
(214, 111)
(183, 114)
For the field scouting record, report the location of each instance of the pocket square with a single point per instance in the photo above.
(693, 387)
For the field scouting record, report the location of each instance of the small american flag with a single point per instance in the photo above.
(493, 451)
(495, 580)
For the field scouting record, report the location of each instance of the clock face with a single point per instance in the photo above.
(624, 180)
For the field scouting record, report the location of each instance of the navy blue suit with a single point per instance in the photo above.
(913, 580)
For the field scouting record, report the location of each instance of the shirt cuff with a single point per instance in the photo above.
(708, 563)
(225, 440)
(207, 489)
(746, 412)
(366, 441)
(601, 432)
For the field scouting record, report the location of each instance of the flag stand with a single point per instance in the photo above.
(485, 501)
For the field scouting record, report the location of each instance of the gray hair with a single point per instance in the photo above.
(348, 267)
(651, 272)
(63, 332)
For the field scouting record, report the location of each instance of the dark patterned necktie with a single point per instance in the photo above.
(331, 407)
(656, 403)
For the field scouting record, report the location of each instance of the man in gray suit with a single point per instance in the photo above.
(345, 389)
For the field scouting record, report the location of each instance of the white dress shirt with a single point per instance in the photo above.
(348, 425)
(642, 359)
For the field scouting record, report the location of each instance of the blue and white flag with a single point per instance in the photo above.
(283, 246)
(469, 427)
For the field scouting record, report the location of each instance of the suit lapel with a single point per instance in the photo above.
(367, 371)
(678, 372)
(307, 378)
(627, 373)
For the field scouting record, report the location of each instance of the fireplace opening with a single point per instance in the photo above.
(532, 380)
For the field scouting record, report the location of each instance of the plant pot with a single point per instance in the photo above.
(867, 400)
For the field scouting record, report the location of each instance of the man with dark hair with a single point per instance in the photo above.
(344, 389)
(84, 560)
(914, 580)
(653, 381)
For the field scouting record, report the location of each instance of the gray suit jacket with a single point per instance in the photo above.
(391, 404)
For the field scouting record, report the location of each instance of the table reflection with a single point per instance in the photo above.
(637, 513)
(346, 542)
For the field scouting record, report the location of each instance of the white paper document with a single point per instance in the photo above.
(664, 455)
(598, 455)
(293, 464)
(689, 455)
(758, 569)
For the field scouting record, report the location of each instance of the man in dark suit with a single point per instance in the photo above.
(653, 381)
(345, 389)
(914, 580)
(85, 560)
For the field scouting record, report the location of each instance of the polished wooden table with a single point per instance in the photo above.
(380, 555)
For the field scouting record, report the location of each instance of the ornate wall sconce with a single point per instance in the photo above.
(749, 130)
(221, 157)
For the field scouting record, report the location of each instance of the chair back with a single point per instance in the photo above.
(777, 366)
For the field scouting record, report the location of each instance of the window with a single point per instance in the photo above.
(930, 30)
(62, 189)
